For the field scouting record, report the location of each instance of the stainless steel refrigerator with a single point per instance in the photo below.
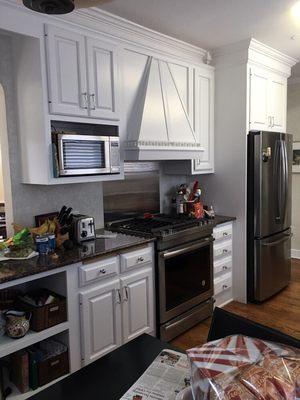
(268, 213)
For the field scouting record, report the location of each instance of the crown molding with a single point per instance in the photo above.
(253, 51)
(126, 32)
(272, 53)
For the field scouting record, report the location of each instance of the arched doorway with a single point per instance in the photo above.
(4, 164)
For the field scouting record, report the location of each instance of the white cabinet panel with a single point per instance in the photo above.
(259, 113)
(66, 72)
(100, 320)
(204, 119)
(268, 92)
(138, 313)
(103, 79)
(278, 95)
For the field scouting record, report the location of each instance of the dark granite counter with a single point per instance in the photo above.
(15, 269)
(222, 219)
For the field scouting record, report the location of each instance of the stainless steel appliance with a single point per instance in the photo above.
(269, 213)
(82, 228)
(184, 268)
(88, 154)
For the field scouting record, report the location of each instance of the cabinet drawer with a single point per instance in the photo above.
(98, 270)
(223, 249)
(135, 258)
(222, 265)
(223, 232)
(223, 283)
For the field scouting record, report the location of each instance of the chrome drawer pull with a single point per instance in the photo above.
(85, 100)
(119, 296)
(102, 271)
(224, 287)
(140, 259)
(126, 293)
(225, 251)
(225, 267)
(225, 234)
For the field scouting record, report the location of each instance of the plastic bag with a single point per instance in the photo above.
(243, 368)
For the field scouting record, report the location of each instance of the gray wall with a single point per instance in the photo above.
(30, 200)
(293, 126)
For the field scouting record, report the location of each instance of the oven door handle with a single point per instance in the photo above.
(174, 253)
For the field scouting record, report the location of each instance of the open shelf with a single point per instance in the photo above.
(16, 395)
(9, 346)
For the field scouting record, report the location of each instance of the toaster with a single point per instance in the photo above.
(83, 228)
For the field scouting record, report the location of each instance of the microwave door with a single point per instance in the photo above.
(83, 155)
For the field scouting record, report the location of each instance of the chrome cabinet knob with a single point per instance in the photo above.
(225, 251)
(225, 287)
(102, 271)
(225, 267)
(140, 259)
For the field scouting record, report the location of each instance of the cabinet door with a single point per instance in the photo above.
(259, 116)
(100, 310)
(103, 79)
(67, 79)
(204, 118)
(277, 102)
(138, 306)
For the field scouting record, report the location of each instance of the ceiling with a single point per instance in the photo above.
(213, 23)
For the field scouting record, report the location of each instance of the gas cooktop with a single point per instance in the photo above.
(159, 225)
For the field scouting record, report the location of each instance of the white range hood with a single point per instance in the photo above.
(158, 124)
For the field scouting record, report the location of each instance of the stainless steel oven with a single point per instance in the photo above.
(185, 286)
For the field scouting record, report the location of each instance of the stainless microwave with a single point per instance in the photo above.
(88, 155)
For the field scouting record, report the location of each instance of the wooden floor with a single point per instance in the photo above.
(281, 312)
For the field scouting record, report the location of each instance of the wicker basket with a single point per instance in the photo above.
(53, 368)
(8, 298)
(43, 317)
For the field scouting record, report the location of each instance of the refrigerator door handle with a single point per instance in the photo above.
(277, 181)
(283, 239)
(285, 181)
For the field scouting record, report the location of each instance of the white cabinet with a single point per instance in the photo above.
(83, 75)
(267, 101)
(66, 72)
(101, 327)
(102, 78)
(202, 118)
(223, 263)
(137, 291)
(117, 308)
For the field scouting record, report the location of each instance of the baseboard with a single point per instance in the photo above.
(296, 253)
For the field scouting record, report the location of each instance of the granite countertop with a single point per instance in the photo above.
(15, 269)
(222, 219)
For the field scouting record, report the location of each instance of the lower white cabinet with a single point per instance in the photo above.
(137, 304)
(101, 326)
(223, 263)
(116, 309)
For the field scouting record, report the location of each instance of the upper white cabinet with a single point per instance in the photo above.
(267, 100)
(102, 79)
(82, 75)
(66, 72)
(202, 117)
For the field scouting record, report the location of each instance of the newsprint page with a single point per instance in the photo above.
(168, 375)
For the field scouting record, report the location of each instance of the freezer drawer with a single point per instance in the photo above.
(272, 264)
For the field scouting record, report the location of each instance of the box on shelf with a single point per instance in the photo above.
(47, 315)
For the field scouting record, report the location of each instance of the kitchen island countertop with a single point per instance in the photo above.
(15, 269)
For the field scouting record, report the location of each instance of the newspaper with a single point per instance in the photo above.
(168, 375)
